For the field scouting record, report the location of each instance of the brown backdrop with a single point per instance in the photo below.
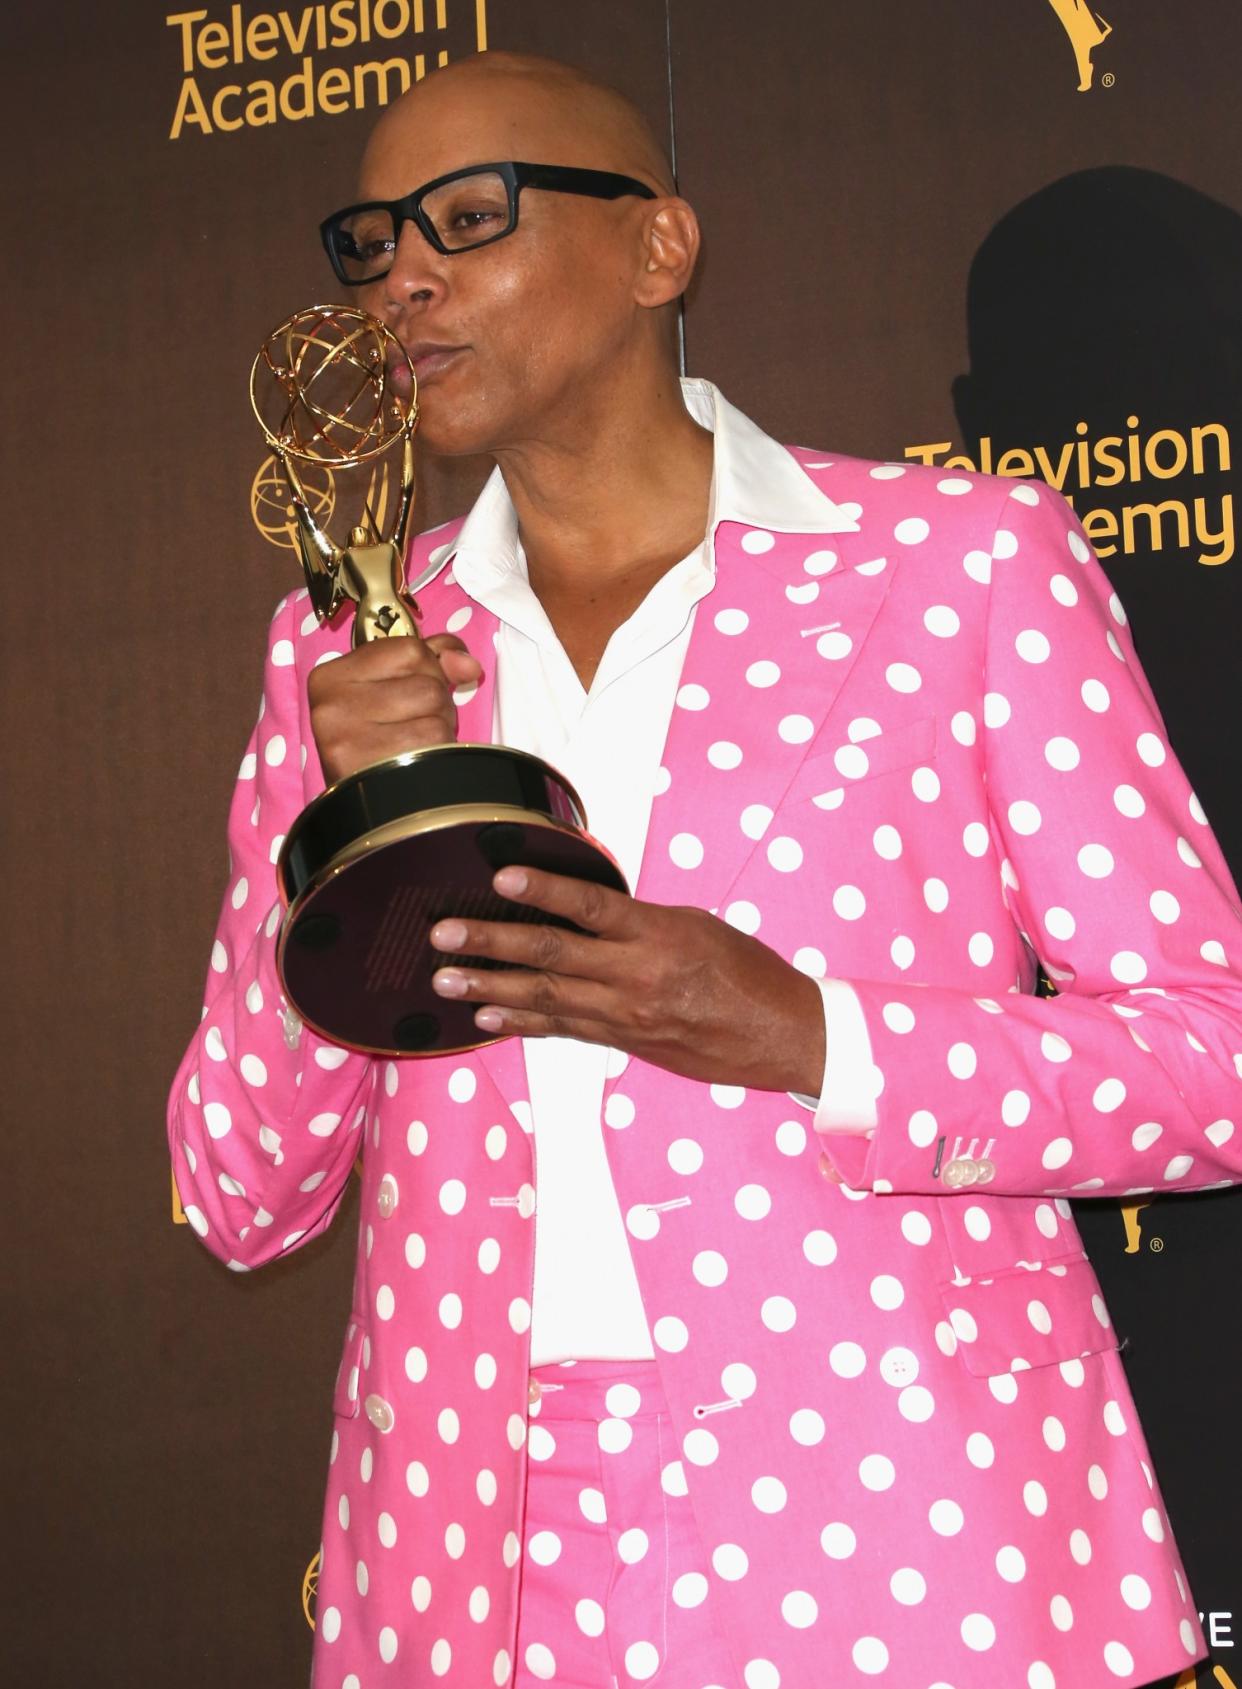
(919, 233)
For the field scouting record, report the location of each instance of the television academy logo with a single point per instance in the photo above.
(1086, 30)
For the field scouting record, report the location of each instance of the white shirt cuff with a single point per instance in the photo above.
(846, 1102)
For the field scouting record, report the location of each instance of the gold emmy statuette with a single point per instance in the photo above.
(373, 862)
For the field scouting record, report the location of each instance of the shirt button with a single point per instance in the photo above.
(386, 1201)
(526, 1201)
(955, 1173)
(534, 1391)
(379, 1413)
(987, 1172)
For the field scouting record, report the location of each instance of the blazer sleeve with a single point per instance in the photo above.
(1130, 1078)
(264, 1117)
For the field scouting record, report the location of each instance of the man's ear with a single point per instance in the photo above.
(670, 250)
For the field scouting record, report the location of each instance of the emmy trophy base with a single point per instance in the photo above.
(374, 862)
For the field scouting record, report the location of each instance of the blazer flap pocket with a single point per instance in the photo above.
(345, 1392)
(845, 764)
(1029, 1316)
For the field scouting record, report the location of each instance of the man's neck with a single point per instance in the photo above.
(605, 512)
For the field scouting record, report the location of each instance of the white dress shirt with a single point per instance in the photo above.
(608, 742)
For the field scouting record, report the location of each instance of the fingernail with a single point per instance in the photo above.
(449, 983)
(449, 935)
(489, 1020)
(511, 882)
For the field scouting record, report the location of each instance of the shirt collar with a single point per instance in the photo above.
(755, 481)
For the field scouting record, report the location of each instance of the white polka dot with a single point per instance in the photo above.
(936, 896)
(834, 645)
(699, 1447)
(692, 696)
(1119, 1659)
(903, 677)
(330, 1624)
(685, 1155)
(851, 762)
(978, 1632)
(730, 1561)
(760, 1674)
(785, 855)
(847, 1359)
(1004, 544)
(689, 1590)
(632, 1545)
(925, 784)
(978, 565)
(670, 1334)
(945, 1518)
(811, 961)
(876, 1472)
(886, 842)
(1096, 861)
(763, 674)
(870, 1656)
(274, 750)
(755, 820)
(1054, 1048)
(1035, 1498)
(1128, 967)
(685, 850)
(807, 1427)
(916, 1228)
(1056, 1153)
(887, 1292)
(1040, 1318)
(979, 1450)
(778, 1313)
(738, 1380)
(963, 1061)
(1054, 1433)
(916, 1404)
(743, 916)
(848, 903)
(907, 1586)
(1032, 646)
(757, 540)
(795, 729)
(1011, 1563)
(911, 530)
(769, 1495)
(540, 1661)
(837, 1541)
(1024, 817)
(942, 621)
(799, 1609)
(724, 754)
(462, 1084)
(901, 950)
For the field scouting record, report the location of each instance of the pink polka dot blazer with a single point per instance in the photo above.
(918, 761)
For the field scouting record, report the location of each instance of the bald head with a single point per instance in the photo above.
(514, 105)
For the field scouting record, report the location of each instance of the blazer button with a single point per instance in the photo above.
(534, 1391)
(987, 1172)
(386, 1201)
(958, 1172)
(379, 1413)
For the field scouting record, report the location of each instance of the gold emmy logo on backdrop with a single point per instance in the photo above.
(1134, 1227)
(1190, 1678)
(310, 1587)
(1086, 30)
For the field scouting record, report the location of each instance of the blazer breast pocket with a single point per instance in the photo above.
(835, 769)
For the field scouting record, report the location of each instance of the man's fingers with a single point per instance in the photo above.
(455, 659)
(550, 949)
(596, 909)
(553, 997)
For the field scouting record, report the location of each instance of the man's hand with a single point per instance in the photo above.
(390, 696)
(676, 987)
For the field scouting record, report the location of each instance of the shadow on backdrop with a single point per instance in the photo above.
(1105, 336)
(1104, 319)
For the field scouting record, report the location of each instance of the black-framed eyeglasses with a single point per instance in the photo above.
(455, 213)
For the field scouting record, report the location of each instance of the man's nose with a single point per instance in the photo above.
(417, 275)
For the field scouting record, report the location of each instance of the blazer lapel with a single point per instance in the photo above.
(771, 649)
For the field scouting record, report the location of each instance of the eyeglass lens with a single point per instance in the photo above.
(464, 213)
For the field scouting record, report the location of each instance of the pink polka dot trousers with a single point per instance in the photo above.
(614, 1577)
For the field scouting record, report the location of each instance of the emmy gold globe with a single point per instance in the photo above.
(372, 863)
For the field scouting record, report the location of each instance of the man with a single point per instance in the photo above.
(843, 1398)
